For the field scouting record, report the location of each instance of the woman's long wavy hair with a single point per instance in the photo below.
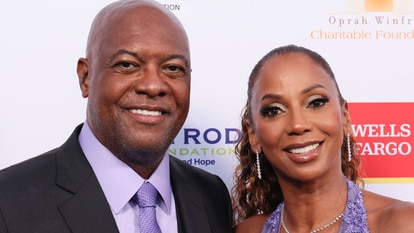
(251, 195)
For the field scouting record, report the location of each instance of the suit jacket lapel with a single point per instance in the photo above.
(191, 215)
(87, 210)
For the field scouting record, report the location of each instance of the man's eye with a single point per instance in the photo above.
(174, 70)
(125, 65)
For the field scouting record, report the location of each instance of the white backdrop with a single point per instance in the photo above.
(41, 41)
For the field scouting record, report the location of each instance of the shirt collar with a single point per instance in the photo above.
(118, 181)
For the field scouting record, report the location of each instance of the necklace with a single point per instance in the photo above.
(314, 231)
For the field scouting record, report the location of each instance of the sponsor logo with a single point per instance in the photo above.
(368, 20)
(385, 138)
(172, 6)
(204, 147)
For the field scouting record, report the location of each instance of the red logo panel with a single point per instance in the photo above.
(385, 138)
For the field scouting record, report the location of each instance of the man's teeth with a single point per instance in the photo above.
(304, 149)
(146, 112)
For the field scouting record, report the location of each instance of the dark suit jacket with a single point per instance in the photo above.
(58, 192)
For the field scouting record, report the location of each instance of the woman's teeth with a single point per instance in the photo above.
(304, 149)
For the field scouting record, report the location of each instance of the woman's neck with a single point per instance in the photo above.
(311, 205)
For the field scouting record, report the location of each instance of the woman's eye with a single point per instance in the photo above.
(271, 111)
(318, 102)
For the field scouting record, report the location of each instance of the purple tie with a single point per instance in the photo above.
(147, 198)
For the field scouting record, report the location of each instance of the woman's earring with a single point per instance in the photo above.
(348, 140)
(259, 171)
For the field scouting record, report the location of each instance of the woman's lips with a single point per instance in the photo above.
(305, 153)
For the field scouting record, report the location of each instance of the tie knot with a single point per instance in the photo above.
(147, 195)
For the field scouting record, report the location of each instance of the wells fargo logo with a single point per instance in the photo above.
(385, 134)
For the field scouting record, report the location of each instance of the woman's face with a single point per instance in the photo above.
(297, 119)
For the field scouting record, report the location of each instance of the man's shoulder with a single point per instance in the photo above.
(28, 182)
(28, 170)
(40, 167)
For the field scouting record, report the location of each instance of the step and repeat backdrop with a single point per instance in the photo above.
(369, 44)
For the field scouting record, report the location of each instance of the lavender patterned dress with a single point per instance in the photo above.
(354, 220)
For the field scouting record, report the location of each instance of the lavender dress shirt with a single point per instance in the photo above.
(119, 183)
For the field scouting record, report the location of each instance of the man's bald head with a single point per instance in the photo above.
(116, 13)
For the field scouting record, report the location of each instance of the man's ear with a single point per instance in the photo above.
(83, 75)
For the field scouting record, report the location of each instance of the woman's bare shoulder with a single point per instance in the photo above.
(386, 214)
(253, 224)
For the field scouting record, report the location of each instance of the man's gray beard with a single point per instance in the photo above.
(145, 156)
(149, 154)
